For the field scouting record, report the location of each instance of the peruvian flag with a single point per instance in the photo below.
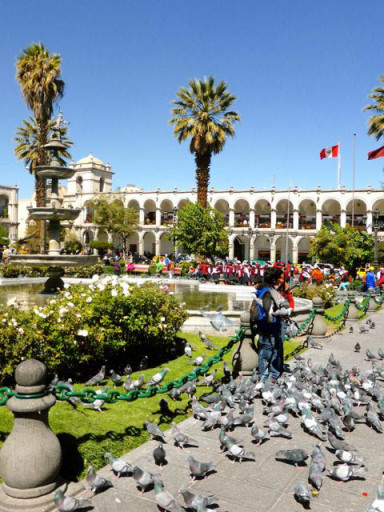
(329, 152)
(376, 153)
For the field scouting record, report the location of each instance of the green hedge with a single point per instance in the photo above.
(10, 270)
(309, 291)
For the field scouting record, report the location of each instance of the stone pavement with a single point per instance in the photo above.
(264, 485)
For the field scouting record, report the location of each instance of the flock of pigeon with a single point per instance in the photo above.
(329, 400)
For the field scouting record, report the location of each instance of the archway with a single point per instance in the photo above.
(282, 208)
(307, 214)
(149, 244)
(303, 247)
(88, 212)
(262, 248)
(149, 212)
(166, 245)
(79, 185)
(262, 214)
(241, 213)
(166, 208)
(356, 214)
(378, 206)
(223, 207)
(135, 206)
(284, 249)
(330, 212)
(240, 249)
(133, 243)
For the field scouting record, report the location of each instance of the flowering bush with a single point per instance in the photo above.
(308, 291)
(10, 270)
(109, 321)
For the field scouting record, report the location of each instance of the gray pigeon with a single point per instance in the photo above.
(188, 350)
(118, 466)
(297, 456)
(349, 457)
(302, 494)
(158, 377)
(198, 360)
(96, 379)
(315, 476)
(128, 370)
(370, 355)
(199, 468)
(143, 478)
(180, 438)
(258, 434)
(373, 419)
(196, 501)
(314, 343)
(96, 482)
(340, 445)
(154, 431)
(357, 347)
(164, 499)
(344, 472)
(99, 402)
(238, 452)
(69, 504)
(116, 378)
(159, 455)
(208, 343)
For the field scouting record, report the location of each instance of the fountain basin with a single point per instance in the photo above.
(51, 171)
(46, 260)
(55, 214)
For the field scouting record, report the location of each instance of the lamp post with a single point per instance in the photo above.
(376, 226)
(174, 210)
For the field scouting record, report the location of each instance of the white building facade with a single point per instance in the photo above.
(261, 224)
(9, 199)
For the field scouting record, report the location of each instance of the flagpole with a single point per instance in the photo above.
(353, 179)
(287, 234)
(339, 168)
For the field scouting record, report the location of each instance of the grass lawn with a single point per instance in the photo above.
(86, 434)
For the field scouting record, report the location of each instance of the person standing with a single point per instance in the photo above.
(370, 279)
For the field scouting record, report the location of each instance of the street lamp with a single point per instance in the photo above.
(174, 210)
(376, 227)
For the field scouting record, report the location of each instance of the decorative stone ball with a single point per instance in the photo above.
(245, 318)
(317, 302)
(30, 373)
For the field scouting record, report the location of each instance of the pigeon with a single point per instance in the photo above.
(221, 323)
(373, 419)
(198, 360)
(69, 504)
(246, 418)
(208, 343)
(158, 377)
(188, 350)
(96, 379)
(227, 371)
(275, 429)
(54, 381)
(344, 472)
(340, 445)
(118, 466)
(257, 434)
(380, 351)
(372, 325)
(138, 383)
(223, 437)
(315, 476)
(198, 410)
(128, 370)
(363, 329)
(116, 378)
(209, 379)
(96, 482)
(73, 400)
(180, 438)
(297, 456)
(154, 431)
(351, 329)
(196, 501)
(199, 469)
(143, 478)
(314, 343)
(349, 457)
(370, 356)
(220, 307)
(98, 403)
(299, 357)
(357, 347)
(238, 452)
(164, 499)
(128, 384)
(159, 455)
(302, 494)
(378, 503)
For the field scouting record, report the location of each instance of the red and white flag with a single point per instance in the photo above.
(329, 152)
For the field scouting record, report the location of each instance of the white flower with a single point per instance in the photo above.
(89, 299)
(62, 311)
(162, 319)
(20, 330)
(70, 304)
(114, 293)
(101, 287)
(82, 332)
(67, 295)
(66, 285)
(95, 277)
(78, 315)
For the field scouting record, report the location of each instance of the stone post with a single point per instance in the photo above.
(372, 305)
(319, 327)
(353, 313)
(245, 358)
(30, 458)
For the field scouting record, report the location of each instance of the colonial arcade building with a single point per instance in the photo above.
(261, 224)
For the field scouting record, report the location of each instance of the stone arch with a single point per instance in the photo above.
(101, 185)
(356, 210)
(149, 243)
(330, 211)
(182, 203)
(303, 247)
(282, 208)
(241, 208)
(79, 185)
(88, 236)
(262, 248)
(134, 204)
(4, 210)
(241, 247)
(284, 249)
(166, 208)
(102, 235)
(133, 243)
(149, 212)
(307, 214)
(379, 206)
(263, 214)
(89, 212)
(166, 245)
(222, 206)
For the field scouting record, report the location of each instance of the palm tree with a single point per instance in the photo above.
(28, 144)
(38, 74)
(376, 122)
(201, 113)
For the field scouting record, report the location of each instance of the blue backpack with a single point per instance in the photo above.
(258, 313)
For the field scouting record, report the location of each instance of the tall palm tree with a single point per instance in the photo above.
(202, 114)
(376, 122)
(28, 143)
(38, 74)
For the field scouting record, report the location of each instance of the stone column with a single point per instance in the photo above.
(343, 218)
(245, 358)
(353, 313)
(295, 251)
(273, 251)
(295, 220)
(252, 248)
(252, 218)
(319, 219)
(231, 248)
(369, 222)
(372, 305)
(231, 217)
(30, 459)
(157, 246)
(141, 216)
(319, 327)
(141, 243)
(273, 219)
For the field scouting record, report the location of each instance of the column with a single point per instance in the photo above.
(158, 218)
(157, 246)
(141, 216)
(273, 250)
(252, 218)
(369, 222)
(319, 220)
(295, 251)
(273, 219)
(252, 248)
(343, 218)
(295, 220)
(231, 217)
(231, 247)
(141, 243)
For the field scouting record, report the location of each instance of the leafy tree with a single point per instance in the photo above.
(38, 73)
(4, 239)
(376, 122)
(115, 218)
(348, 247)
(201, 231)
(71, 243)
(28, 144)
(32, 237)
(201, 114)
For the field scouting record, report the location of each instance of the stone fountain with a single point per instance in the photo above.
(54, 214)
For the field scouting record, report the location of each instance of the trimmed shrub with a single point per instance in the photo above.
(308, 291)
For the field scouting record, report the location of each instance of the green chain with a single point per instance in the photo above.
(364, 305)
(341, 314)
(302, 326)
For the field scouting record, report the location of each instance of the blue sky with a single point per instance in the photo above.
(301, 72)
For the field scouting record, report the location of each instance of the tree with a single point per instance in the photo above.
(111, 214)
(28, 144)
(348, 247)
(201, 231)
(38, 74)
(4, 239)
(71, 243)
(202, 114)
(376, 122)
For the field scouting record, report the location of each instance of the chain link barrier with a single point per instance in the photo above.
(341, 314)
